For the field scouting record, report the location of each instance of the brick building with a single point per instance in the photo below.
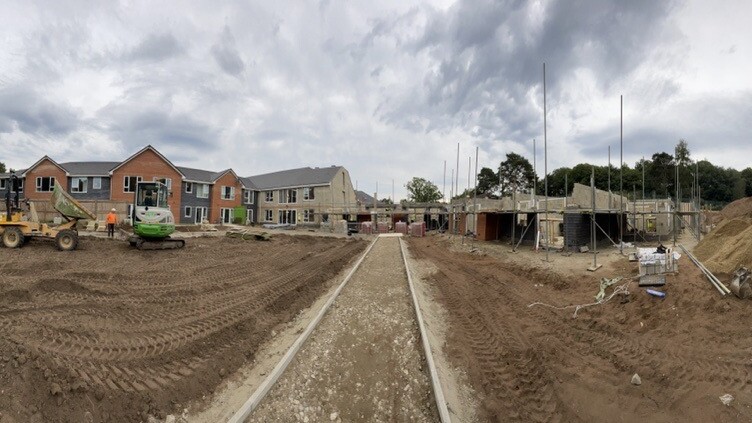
(308, 196)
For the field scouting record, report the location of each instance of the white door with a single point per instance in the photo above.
(200, 214)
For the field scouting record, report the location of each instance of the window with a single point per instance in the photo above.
(308, 216)
(287, 216)
(269, 196)
(96, 183)
(308, 194)
(202, 190)
(20, 185)
(3, 183)
(249, 216)
(187, 211)
(166, 181)
(248, 197)
(129, 183)
(269, 216)
(288, 196)
(79, 184)
(226, 215)
(189, 187)
(228, 193)
(201, 213)
(45, 183)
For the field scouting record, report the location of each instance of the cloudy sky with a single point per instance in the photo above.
(385, 88)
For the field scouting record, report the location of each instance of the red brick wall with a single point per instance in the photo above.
(44, 168)
(217, 202)
(487, 226)
(147, 165)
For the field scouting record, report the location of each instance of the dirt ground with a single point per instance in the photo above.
(107, 333)
(364, 362)
(536, 363)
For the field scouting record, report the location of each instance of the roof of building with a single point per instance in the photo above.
(89, 168)
(363, 198)
(304, 176)
(154, 150)
(48, 158)
(197, 175)
(18, 173)
(248, 184)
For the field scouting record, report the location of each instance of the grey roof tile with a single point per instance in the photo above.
(304, 176)
(89, 168)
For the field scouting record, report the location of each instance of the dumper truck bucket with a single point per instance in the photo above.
(740, 284)
(68, 206)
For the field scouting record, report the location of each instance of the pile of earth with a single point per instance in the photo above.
(727, 247)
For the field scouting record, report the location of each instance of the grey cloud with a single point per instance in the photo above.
(226, 54)
(487, 57)
(156, 47)
(135, 125)
(33, 113)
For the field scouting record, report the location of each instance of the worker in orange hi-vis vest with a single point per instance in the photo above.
(111, 221)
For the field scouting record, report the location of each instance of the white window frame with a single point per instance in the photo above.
(268, 196)
(166, 181)
(3, 183)
(189, 187)
(21, 185)
(229, 212)
(187, 211)
(288, 196)
(127, 183)
(248, 197)
(231, 192)
(40, 184)
(269, 215)
(203, 211)
(287, 216)
(96, 182)
(248, 216)
(203, 192)
(309, 194)
(309, 215)
(75, 181)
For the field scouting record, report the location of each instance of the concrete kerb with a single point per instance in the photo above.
(436, 384)
(263, 389)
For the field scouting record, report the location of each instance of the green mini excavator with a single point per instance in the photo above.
(153, 222)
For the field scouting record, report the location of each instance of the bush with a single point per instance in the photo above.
(237, 220)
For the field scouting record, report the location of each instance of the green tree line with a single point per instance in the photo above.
(718, 185)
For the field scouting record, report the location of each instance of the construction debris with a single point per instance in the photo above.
(246, 235)
(655, 293)
(722, 289)
(636, 380)
(726, 399)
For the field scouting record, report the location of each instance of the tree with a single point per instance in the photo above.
(420, 190)
(747, 176)
(488, 181)
(2, 167)
(516, 174)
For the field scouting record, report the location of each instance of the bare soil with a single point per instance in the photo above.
(535, 363)
(108, 333)
(364, 362)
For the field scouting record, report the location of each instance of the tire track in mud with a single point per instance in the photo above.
(488, 301)
(126, 333)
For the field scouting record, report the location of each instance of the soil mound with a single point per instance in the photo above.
(739, 208)
(727, 247)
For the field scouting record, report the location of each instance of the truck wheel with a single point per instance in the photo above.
(13, 237)
(66, 240)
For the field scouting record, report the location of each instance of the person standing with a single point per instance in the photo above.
(111, 221)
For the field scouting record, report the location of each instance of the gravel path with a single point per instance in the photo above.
(364, 362)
